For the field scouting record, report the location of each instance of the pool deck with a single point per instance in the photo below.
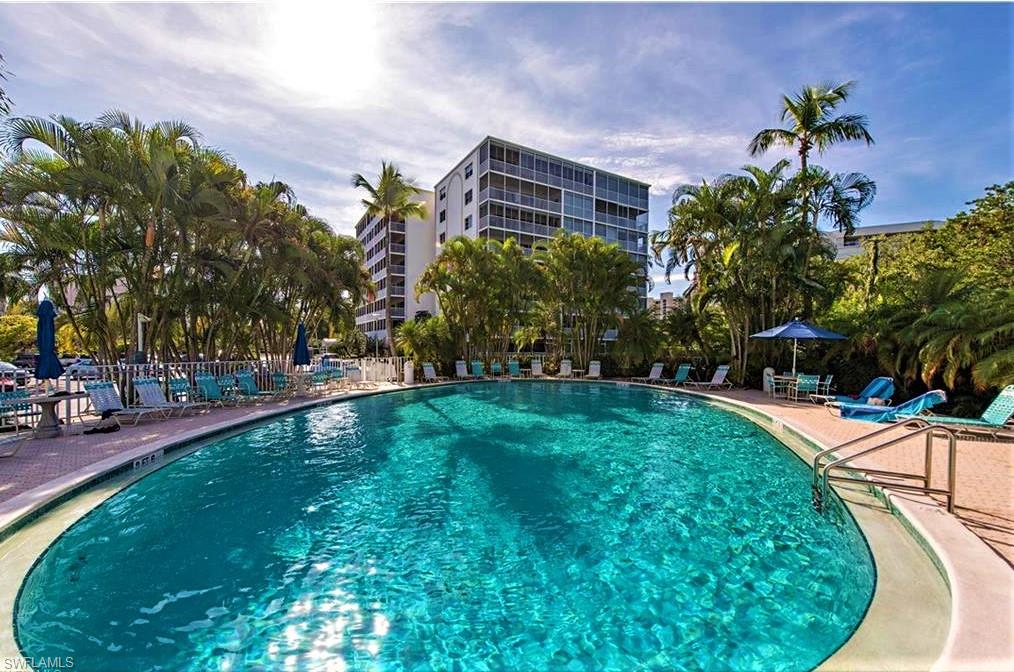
(45, 469)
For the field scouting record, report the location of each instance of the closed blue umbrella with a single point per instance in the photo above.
(301, 354)
(796, 330)
(48, 365)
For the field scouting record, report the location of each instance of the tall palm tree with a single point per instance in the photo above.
(391, 198)
(812, 124)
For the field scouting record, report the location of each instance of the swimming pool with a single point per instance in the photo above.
(519, 525)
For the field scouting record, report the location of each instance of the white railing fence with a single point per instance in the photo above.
(371, 369)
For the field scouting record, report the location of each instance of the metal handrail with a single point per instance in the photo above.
(861, 439)
(930, 430)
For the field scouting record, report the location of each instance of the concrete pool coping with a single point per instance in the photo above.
(969, 633)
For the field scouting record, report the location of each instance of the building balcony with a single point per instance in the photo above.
(397, 270)
(397, 248)
(398, 311)
(398, 227)
(526, 200)
(397, 290)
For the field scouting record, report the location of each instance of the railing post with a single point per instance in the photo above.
(952, 470)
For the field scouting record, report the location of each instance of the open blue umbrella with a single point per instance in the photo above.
(796, 330)
(301, 354)
(48, 366)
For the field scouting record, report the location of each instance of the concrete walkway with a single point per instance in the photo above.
(985, 472)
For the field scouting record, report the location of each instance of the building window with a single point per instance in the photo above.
(443, 215)
(468, 222)
(443, 193)
(468, 197)
(443, 237)
(468, 171)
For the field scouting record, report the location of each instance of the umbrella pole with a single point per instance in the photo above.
(794, 344)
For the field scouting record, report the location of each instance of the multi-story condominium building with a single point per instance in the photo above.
(665, 303)
(502, 189)
(851, 245)
(411, 246)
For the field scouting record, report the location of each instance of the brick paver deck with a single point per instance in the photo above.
(985, 473)
(985, 470)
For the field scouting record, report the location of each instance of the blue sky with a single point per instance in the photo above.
(664, 93)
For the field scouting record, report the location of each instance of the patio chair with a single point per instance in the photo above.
(717, 381)
(282, 385)
(247, 386)
(537, 371)
(149, 392)
(514, 369)
(461, 370)
(230, 389)
(681, 377)
(566, 368)
(320, 380)
(105, 397)
(594, 369)
(912, 407)
(430, 374)
(10, 445)
(181, 390)
(14, 412)
(996, 415)
(778, 387)
(337, 376)
(495, 369)
(478, 370)
(804, 385)
(653, 376)
(209, 390)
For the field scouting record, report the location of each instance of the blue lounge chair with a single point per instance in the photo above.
(878, 388)
(478, 370)
(995, 416)
(209, 390)
(282, 384)
(912, 407)
(513, 369)
(681, 377)
(247, 386)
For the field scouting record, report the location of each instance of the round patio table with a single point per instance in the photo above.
(48, 426)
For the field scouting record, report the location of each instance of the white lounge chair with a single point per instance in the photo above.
(461, 370)
(105, 397)
(653, 376)
(566, 368)
(594, 369)
(11, 445)
(717, 380)
(430, 374)
(149, 391)
(537, 371)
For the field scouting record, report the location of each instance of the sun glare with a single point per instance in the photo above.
(329, 53)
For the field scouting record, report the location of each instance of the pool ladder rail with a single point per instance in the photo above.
(825, 472)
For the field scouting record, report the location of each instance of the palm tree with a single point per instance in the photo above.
(5, 101)
(812, 125)
(391, 199)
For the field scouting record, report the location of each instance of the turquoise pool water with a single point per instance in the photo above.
(523, 526)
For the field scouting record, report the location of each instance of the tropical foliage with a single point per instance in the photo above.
(118, 219)
(946, 321)
(495, 296)
(392, 199)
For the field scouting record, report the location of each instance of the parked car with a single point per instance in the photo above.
(13, 376)
(83, 369)
(26, 360)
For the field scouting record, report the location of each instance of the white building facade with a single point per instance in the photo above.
(502, 189)
(412, 244)
(851, 245)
